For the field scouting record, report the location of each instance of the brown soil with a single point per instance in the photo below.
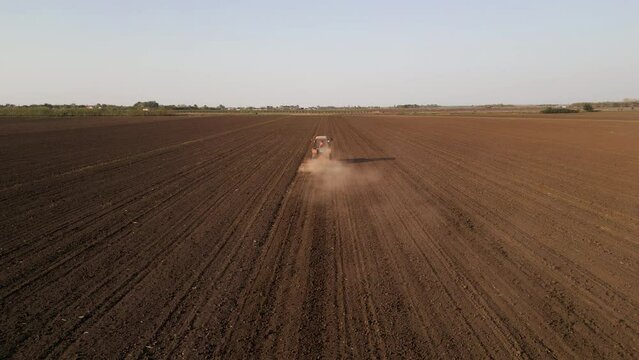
(451, 236)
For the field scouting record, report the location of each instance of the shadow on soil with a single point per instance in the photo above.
(364, 160)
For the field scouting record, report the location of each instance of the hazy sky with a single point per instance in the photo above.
(241, 53)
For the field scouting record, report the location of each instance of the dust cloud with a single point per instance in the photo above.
(331, 175)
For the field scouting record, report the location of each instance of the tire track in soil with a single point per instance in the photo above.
(191, 316)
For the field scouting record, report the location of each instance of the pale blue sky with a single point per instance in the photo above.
(242, 53)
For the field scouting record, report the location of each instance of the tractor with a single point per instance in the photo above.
(321, 147)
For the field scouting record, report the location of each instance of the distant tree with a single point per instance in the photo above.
(147, 104)
(588, 107)
(553, 110)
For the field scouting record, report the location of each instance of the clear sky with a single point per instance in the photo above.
(241, 53)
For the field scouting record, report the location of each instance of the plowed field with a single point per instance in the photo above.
(217, 237)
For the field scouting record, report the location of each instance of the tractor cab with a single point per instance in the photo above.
(321, 145)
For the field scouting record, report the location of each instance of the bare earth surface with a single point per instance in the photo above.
(215, 237)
